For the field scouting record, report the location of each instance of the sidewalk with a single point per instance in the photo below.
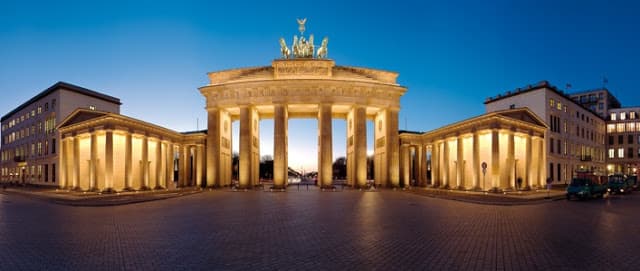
(72, 198)
(507, 198)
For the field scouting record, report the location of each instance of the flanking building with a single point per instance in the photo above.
(576, 136)
(30, 140)
(623, 140)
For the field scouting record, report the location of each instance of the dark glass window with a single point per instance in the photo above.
(630, 139)
(551, 171)
(620, 140)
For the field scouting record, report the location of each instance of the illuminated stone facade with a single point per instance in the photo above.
(489, 152)
(30, 140)
(106, 152)
(302, 88)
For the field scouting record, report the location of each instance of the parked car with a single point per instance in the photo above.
(619, 184)
(585, 188)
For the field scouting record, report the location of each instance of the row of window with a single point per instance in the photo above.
(626, 127)
(22, 152)
(582, 152)
(34, 173)
(623, 115)
(630, 139)
(49, 128)
(621, 154)
(558, 105)
(27, 115)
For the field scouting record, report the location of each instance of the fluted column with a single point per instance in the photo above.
(542, 166)
(527, 166)
(63, 163)
(360, 145)
(213, 149)
(199, 163)
(280, 170)
(169, 168)
(435, 164)
(325, 149)
(76, 162)
(108, 161)
(405, 156)
(93, 163)
(445, 164)
(510, 161)
(421, 166)
(246, 141)
(495, 158)
(144, 167)
(128, 161)
(182, 171)
(476, 161)
(460, 164)
(158, 183)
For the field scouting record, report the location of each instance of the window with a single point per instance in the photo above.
(559, 105)
(620, 152)
(39, 110)
(513, 106)
(53, 172)
(620, 140)
(565, 147)
(631, 126)
(551, 103)
(613, 116)
(46, 173)
(53, 146)
(565, 126)
(559, 171)
(630, 139)
(551, 171)
(630, 151)
(551, 144)
(600, 106)
(559, 146)
(92, 107)
(623, 115)
(620, 127)
(53, 106)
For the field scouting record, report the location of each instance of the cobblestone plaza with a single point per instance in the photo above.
(300, 230)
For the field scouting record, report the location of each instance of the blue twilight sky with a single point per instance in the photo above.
(451, 55)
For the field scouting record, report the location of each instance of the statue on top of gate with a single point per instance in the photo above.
(301, 48)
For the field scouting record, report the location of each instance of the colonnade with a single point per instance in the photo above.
(106, 156)
(219, 170)
(436, 164)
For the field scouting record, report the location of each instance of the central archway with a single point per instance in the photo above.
(303, 88)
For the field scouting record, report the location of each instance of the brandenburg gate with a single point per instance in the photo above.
(304, 83)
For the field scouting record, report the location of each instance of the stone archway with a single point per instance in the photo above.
(302, 88)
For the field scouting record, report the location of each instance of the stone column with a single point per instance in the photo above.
(476, 161)
(108, 161)
(417, 165)
(435, 164)
(93, 164)
(460, 164)
(63, 163)
(445, 164)
(213, 148)
(246, 141)
(527, 166)
(280, 169)
(360, 145)
(423, 165)
(76, 162)
(511, 160)
(199, 163)
(495, 158)
(405, 155)
(542, 175)
(325, 149)
(182, 170)
(145, 164)
(393, 147)
(158, 184)
(128, 161)
(170, 155)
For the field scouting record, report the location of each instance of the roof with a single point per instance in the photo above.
(540, 85)
(67, 86)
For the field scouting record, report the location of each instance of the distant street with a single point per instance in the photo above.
(303, 230)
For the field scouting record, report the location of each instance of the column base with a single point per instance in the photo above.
(476, 188)
(108, 191)
(144, 188)
(76, 189)
(94, 189)
(128, 189)
(158, 187)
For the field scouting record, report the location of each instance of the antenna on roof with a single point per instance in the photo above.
(605, 81)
